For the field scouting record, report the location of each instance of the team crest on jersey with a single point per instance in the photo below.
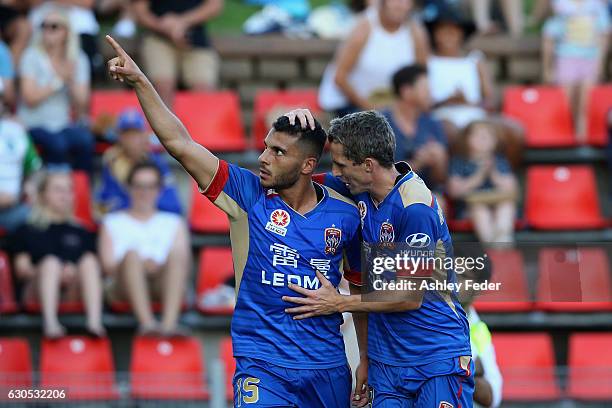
(333, 237)
(444, 404)
(279, 219)
(363, 209)
(387, 233)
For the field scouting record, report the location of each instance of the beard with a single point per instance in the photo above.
(285, 180)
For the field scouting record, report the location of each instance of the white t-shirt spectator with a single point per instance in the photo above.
(52, 114)
(16, 157)
(151, 239)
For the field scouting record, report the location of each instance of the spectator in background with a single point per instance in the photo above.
(482, 180)
(419, 137)
(487, 376)
(176, 39)
(54, 76)
(133, 148)
(15, 29)
(18, 161)
(82, 20)
(7, 77)
(126, 26)
(514, 17)
(384, 40)
(461, 85)
(574, 50)
(54, 257)
(146, 254)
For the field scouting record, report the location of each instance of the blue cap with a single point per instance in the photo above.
(130, 118)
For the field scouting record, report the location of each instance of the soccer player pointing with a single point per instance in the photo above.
(418, 346)
(284, 230)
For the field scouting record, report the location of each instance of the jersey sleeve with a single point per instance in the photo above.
(333, 182)
(233, 189)
(352, 258)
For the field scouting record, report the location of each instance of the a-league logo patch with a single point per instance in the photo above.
(363, 210)
(444, 404)
(333, 237)
(387, 233)
(279, 219)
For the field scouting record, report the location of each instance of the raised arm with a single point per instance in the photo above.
(197, 160)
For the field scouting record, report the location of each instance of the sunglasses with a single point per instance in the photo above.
(52, 26)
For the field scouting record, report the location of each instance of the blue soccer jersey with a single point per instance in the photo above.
(273, 245)
(439, 329)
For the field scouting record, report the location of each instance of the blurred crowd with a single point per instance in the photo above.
(406, 58)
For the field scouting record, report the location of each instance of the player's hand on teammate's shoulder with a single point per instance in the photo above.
(319, 302)
(304, 116)
(122, 67)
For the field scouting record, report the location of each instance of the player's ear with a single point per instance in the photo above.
(309, 165)
(368, 165)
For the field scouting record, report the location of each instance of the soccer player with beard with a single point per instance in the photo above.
(284, 229)
(418, 342)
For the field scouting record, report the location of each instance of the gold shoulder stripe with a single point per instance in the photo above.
(334, 194)
(415, 192)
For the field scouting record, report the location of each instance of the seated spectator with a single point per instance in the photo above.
(7, 77)
(574, 50)
(15, 29)
(487, 376)
(18, 161)
(82, 20)
(461, 85)
(382, 41)
(55, 80)
(126, 26)
(146, 254)
(419, 137)
(482, 180)
(175, 40)
(132, 148)
(54, 257)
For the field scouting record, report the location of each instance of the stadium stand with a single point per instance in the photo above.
(508, 270)
(226, 356)
(600, 102)
(7, 294)
(168, 369)
(215, 268)
(529, 369)
(82, 200)
(277, 102)
(545, 113)
(555, 192)
(111, 102)
(204, 217)
(15, 365)
(82, 366)
(590, 366)
(574, 280)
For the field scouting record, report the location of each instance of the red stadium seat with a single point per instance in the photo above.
(275, 103)
(227, 356)
(562, 198)
(82, 366)
(574, 280)
(82, 199)
(527, 364)
(545, 113)
(600, 102)
(213, 119)
(168, 369)
(590, 366)
(15, 366)
(216, 266)
(7, 294)
(513, 296)
(112, 102)
(204, 216)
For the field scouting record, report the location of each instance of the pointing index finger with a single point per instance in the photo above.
(118, 49)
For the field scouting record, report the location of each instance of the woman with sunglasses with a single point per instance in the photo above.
(55, 82)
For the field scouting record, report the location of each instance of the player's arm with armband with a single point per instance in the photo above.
(197, 160)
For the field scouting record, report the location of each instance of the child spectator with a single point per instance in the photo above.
(419, 137)
(575, 45)
(482, 180)
(18, 161)
(146, 254)
(176, 39)
(55, 80)
(132, 148)
(54, 257)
